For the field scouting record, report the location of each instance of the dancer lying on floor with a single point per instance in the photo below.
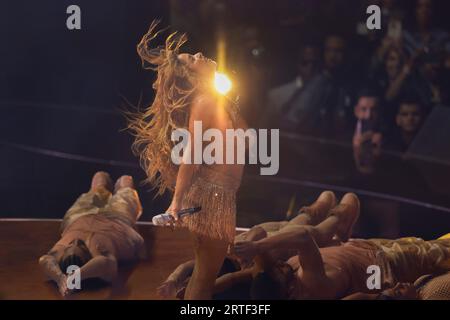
(309, 215)
(337, 271)
(434, 287)
(347, 211)
(97, 232)
(427, 287)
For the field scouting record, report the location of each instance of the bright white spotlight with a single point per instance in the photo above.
(222, 83)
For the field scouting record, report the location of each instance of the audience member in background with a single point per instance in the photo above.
(425, 34)
(367, 137)
(389, 76)
(396, 80)
(367, 42)
(283, 97)
(380, 215)
(390, 10)
(409, 120)
(423, 74)
(398, 69)
(420, 73)
(429, 85)
(323, 107)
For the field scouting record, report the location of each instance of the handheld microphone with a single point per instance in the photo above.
(165, 218)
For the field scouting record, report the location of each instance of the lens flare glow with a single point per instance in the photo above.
(222, 83)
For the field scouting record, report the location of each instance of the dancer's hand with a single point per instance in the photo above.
(168, 289)
(181, 293)
(246, 250)
(62, 286)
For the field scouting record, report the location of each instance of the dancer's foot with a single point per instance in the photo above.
(318, 211)
(124, 182)
(101, 179)
(348, 212)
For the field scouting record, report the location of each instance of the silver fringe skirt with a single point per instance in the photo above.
(215, 192)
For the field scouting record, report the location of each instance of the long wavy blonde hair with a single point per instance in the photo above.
(174, 86)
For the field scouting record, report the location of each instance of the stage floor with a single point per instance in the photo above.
(23, 242)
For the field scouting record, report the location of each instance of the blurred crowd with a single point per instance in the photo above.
(314, 68)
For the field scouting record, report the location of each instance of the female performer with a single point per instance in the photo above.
(185, 94)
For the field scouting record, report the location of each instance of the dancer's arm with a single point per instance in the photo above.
(176, 279)
(102, 266)
(182, 272)
(260, 231)
(49, 265)
(308, 251)
(199, 112)
(298, 238)
(230, 279)
(272, 226)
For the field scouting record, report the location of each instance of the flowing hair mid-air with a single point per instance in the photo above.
(174, 89)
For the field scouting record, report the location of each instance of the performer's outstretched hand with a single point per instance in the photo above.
(173, 210)
(168, 289)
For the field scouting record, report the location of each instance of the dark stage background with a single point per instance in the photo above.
(61, 93)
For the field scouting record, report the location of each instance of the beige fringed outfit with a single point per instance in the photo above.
(215, 192)
(409, 258)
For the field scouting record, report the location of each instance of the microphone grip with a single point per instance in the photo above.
(164, 218)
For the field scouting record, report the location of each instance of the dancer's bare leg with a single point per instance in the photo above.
(124, 182)
(350, 209)
(126, 198)
(209, 256)
(101, 180)
(309, 215)
(339, 222)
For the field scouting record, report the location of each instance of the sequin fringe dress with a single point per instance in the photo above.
(215, 192)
